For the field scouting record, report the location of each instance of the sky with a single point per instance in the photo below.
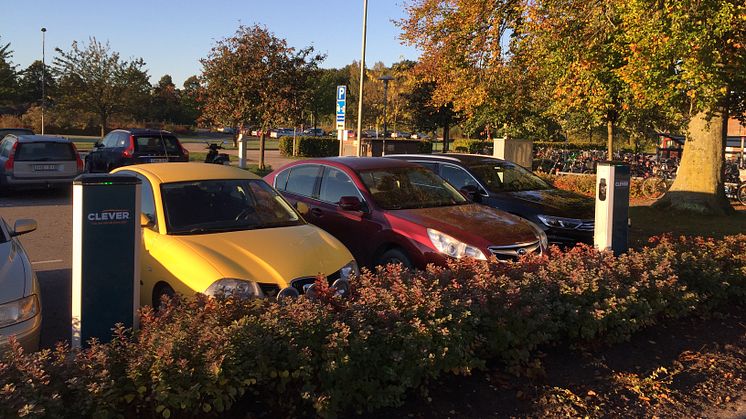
(171, 36)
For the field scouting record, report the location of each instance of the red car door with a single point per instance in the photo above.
(355, 228)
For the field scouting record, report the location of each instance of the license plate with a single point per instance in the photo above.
(158, 160)
(45, 167)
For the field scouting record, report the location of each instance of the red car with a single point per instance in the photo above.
(392, 211)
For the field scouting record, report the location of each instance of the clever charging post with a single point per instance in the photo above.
(106, 243)
(612, 207)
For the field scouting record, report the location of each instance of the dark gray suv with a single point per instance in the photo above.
(123, 147)
(566, 217)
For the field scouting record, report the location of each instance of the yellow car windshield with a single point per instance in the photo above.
(211, 206)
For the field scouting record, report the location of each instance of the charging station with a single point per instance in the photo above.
(106, 251)
(612, 207)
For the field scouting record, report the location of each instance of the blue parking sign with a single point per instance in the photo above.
(342, 93)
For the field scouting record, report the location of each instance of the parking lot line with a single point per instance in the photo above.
(41, 262)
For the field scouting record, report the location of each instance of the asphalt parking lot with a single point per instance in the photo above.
(50, 251)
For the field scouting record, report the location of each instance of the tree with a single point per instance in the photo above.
(93, 79)
(29, 84)
(8, 76)
(165, 101)
(464, 53)
(687, 57)
(427, 116)
(253, 77)
(190, 96)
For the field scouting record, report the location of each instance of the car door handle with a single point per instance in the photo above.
(316, 212)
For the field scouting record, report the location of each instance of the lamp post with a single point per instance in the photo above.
(362, 82)
(386, 79)
(43, 70)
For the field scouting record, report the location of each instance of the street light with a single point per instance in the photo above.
(362, 82)
(43, 70)
(386, 79)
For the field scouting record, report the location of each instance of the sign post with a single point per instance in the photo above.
(341, 110)
(106, 252)
(612, 207)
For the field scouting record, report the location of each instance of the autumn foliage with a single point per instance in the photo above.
(396, 332)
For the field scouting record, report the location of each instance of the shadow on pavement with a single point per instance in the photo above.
(36, 197)
(56, 295)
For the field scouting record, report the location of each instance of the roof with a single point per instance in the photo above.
(185, 172)
(363, 163)
(145, 131)
(465, 159)
(41, 138)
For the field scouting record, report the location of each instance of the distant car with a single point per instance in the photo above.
(215, 229)
(567, 218)
(123, 147)
(400, 134)
(20, 301)
(38, 161)
(282, 132)
(369, 133)
(15, 131)
(314, 132)
(419, 136)
(227, 130)
(388, 211)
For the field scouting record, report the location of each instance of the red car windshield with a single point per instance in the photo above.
(410, 187)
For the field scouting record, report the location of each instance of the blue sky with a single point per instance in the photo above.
(171, 36)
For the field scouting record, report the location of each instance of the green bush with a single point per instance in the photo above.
(425, 147)
(470, 146)
(397, 330)
(310, 146)
(586, 184)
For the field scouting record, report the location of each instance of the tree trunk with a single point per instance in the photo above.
(610, 139)
(261, 148)
(104, 121)
(446, 134)
(698, 187)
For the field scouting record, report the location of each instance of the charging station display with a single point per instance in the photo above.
(106, 243)
(611, 229)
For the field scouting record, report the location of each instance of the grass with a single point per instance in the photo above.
(86, 143)
(647, 222)
(253, 168)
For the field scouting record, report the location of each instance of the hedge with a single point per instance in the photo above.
(586, 184)
(310, 146)
(397, 331)
(470, 146)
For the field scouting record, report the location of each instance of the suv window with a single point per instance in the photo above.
(109, 140)
(457, 176)
(44, 151)
(302, 179)
(336, 184)
(122, 140)
(157, 144)
(5, 147)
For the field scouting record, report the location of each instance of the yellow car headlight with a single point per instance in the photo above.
(234, 287)
(349, 270)
(19, 310)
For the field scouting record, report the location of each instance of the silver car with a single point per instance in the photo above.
(38, 160)
(20, 302)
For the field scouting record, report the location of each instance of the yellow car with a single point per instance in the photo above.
(218, 229)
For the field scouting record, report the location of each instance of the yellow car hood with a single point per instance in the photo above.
(272, 255)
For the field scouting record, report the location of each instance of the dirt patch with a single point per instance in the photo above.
(690, 368)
